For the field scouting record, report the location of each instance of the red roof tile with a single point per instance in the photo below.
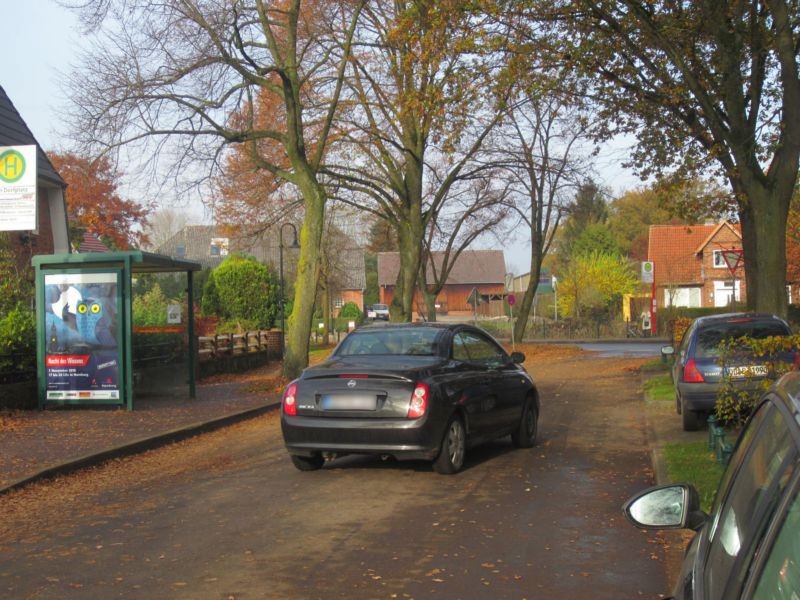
(472, 266)
(676, 250)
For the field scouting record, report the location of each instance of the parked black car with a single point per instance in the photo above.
(411, 391)
(749, 546)
(697, 372)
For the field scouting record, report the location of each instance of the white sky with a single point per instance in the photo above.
(41, 39)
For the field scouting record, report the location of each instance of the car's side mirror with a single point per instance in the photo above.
(674, 506)
(667, 350)
(517, 357)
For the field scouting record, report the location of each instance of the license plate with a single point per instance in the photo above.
(747, 371)
(348, 402)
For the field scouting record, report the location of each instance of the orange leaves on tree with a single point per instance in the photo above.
(94, 204)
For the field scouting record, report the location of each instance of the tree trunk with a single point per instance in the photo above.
(409, 241)
(299, 332)
(524, 307)
(763, 219)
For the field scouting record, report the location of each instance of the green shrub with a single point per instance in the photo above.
(18, 340)
(242, 290)
(351, 311)
(236, 326)
(734, 405)
(150, 309)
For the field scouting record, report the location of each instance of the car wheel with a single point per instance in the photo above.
(308, 463)
(454, 446)
(525, 434)
(690, 418)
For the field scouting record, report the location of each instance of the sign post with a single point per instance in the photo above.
(649, 276)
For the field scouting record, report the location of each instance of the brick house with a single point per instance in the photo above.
(483, 270)
(210, 244)
(51, 234)
(690, 264)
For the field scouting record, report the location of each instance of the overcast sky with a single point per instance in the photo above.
(41, 39)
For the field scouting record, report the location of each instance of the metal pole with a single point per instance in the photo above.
(283, 308)
(555, 298)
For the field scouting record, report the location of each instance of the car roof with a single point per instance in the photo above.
(730, 317)
(390, 325)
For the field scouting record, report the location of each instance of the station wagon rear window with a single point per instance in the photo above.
(401, 342)
(710, 338)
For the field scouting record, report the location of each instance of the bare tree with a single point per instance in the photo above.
(163, 224)
(475, 211)
(182, 81)
(543, 162)
(419, 93)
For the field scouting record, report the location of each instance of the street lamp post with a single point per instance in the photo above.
(280, 263)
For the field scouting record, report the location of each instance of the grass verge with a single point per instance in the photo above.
(694, 463)
(660, 388)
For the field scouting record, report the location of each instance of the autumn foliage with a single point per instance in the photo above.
(94, 204)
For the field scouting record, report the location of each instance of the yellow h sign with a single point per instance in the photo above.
(12, 166)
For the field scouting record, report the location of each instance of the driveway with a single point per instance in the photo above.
(225, 515)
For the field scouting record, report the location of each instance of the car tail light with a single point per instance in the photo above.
(691, 373)
(290, 400)
(419, 401)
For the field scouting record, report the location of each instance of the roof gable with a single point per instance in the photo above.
(716, 233)
(347, 268)
(676, 250)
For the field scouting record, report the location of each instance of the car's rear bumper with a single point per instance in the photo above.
(702, 397)
(401, 438)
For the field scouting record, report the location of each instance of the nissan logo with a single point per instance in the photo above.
(351, 383)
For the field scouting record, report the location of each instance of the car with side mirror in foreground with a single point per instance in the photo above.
(749, 546)
(412, 391)
(698, 373)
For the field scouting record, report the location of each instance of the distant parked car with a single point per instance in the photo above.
(411, 391)
(381, 311)
(749, 546)
(697, 372)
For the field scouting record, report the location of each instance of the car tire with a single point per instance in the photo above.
(453, 449)
(308, 463)
(525, 434)
(690, 419)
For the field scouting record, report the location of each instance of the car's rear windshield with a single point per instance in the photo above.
(379, 306)
(710, 338)
(390, 341)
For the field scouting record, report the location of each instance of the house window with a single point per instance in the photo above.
(180, 251)
(690, 297)
(789, 294)
(219, 247)
(719, 259)
(338, 303)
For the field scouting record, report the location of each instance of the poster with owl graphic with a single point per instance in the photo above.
(82, 355)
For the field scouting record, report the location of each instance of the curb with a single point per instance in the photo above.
(139, 446)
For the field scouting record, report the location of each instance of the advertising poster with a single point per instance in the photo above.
(82, 353)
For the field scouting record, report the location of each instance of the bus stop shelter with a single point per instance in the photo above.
(84, 325)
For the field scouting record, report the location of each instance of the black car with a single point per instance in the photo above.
(411, 391)
(697, 371)
(749, 546)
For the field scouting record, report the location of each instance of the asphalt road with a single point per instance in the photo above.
(225, 515)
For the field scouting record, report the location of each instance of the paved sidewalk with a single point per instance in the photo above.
(37, 444)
